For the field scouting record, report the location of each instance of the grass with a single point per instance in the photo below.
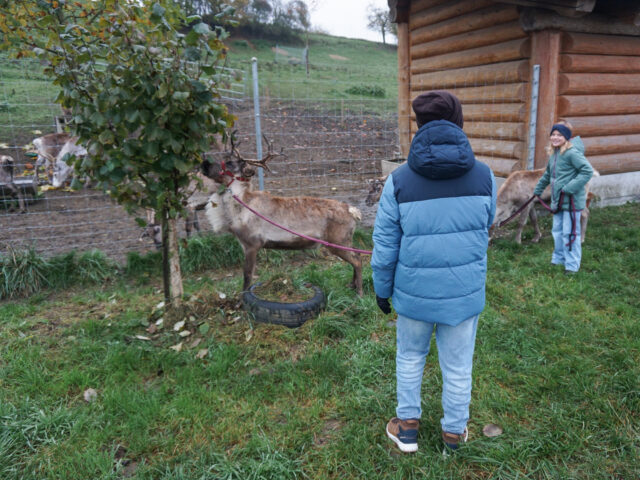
(557, 366)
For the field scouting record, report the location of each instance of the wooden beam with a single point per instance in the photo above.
(445, 11)
(563, 7)
(496, 112)
(616, 163)
(611, 144)
(478, 38)
(496, 73)
(501, 93)
(593, 105)
(545, 51)
(419, 5)
(465, 23)
(578, 63)
(495, 130)
(604, 125)
(536, 20)
(598, 83)
(503, 52)
(497, 148)
(600, 44)
(501, 167)
(404, 87)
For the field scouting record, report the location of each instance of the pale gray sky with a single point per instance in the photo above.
(347, 18)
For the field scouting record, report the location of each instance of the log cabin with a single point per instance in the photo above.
(519, 65)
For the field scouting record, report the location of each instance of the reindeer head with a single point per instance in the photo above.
(375, 190)
(231, 165)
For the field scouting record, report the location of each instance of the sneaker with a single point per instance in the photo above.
(404, 433)
(570, 272)
(453, 440)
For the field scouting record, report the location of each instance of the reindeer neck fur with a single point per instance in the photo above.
(222, 211)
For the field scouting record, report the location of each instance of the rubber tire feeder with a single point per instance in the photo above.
(290, 315)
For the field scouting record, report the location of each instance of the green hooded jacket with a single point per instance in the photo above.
(568, 172)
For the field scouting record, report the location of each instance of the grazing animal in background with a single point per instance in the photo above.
(7, 167)
(375, 190)
(196, 201)
(48, 147)
(516, 190)
(325, 219)
(63, 171)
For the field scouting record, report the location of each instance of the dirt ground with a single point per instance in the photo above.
(330, 154)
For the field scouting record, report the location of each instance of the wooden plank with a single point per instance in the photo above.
(497, 148)
(545, 51)
(576, 63)
(505, 93)
(600, 44)
(501, 167)
(598, 83)
(560, 6)
(503, 52)
(419, 5)
(404, 86)
(465, 23)
(496, 73)
(611, 144)
(604, 125)
(478, 38)
(616, 163)
(451, 9)
(495, 130)
(593, 105)
(496, 112)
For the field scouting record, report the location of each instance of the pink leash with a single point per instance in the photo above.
(316, 240)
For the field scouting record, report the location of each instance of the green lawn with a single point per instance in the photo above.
(557, 366)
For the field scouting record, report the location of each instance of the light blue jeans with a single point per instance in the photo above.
(455, 353)
(560, 232)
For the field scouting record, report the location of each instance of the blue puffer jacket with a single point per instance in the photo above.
(431, 230)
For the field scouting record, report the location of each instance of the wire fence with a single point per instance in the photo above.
(335, 124)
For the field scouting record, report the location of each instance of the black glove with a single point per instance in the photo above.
(383, 304)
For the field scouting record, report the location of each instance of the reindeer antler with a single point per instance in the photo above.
(270, 155)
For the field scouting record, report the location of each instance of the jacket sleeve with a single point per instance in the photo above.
(492, 212)
(584, 172)
(387, 234)
(543, 182)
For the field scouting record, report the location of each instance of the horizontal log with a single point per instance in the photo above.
(616, 163)
(465, 23)
(605, 125)
(502, 52)
(600, 44)
(564, 7)
(506, 93)
(495, 130)
(592, 105)
(419, 5)
(495, 112)
(478, 38)
(494, 74)
(501, 167)
(497, 148)
(577, 63)
(598, 83)
(611, 144)
(445, 11)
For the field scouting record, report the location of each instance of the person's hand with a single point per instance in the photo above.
(383, 304)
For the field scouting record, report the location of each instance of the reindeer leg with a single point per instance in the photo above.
(534, 222)
(584, 218)
(250, 257)
(356, 262)
(521, 223)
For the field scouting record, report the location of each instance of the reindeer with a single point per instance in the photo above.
(325, 219)
(6, 180)
(516, 190)
(375, 190)
(48, 147)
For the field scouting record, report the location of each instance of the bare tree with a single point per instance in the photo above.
(379, 21)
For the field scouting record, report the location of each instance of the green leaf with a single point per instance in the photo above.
(157, 11)
(204, 328)
(180, 95)
(106, 137)
(201, 28)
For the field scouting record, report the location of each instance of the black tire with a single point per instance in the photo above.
(290, 315)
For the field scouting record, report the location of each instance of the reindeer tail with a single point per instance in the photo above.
(355, 213)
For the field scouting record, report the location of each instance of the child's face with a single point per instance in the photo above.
(557, 140)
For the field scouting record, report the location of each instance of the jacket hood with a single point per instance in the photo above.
(440, 150)
(577, 144)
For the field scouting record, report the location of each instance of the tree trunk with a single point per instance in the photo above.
(177, 290)
(383, 38)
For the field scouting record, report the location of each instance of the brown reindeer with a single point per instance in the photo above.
(325, 219)
(7, 181)
(516, 190)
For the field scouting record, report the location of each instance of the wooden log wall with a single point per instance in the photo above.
(599, 93)
(477, 50)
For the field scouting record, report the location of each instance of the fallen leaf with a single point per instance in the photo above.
(248, 335)
(142, 337)
(204, 328)
(178, 326)
(159, 322)
(222, 296)
(185, 333)
(152, 329)
(202, 353)
(195, 343)
(160, 306)
(177, 347)
(90, 395)
(492, 430)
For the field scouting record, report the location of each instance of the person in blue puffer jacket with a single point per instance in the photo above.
(430, 239)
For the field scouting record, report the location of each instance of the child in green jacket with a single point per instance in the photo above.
(568, 171)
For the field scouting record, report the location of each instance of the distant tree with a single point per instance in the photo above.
(293, 14)
(379, 21)
(260, 11)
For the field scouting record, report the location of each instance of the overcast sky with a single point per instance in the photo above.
(347, 18)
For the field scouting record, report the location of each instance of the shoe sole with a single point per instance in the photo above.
(404, 447)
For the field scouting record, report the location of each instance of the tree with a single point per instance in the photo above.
(260, 11)
(143, 96)
(379, 21)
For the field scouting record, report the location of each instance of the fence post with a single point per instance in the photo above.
(256, 110)
(533, 117)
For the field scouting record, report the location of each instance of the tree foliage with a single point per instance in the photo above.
(143, 95)
(378, 20)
